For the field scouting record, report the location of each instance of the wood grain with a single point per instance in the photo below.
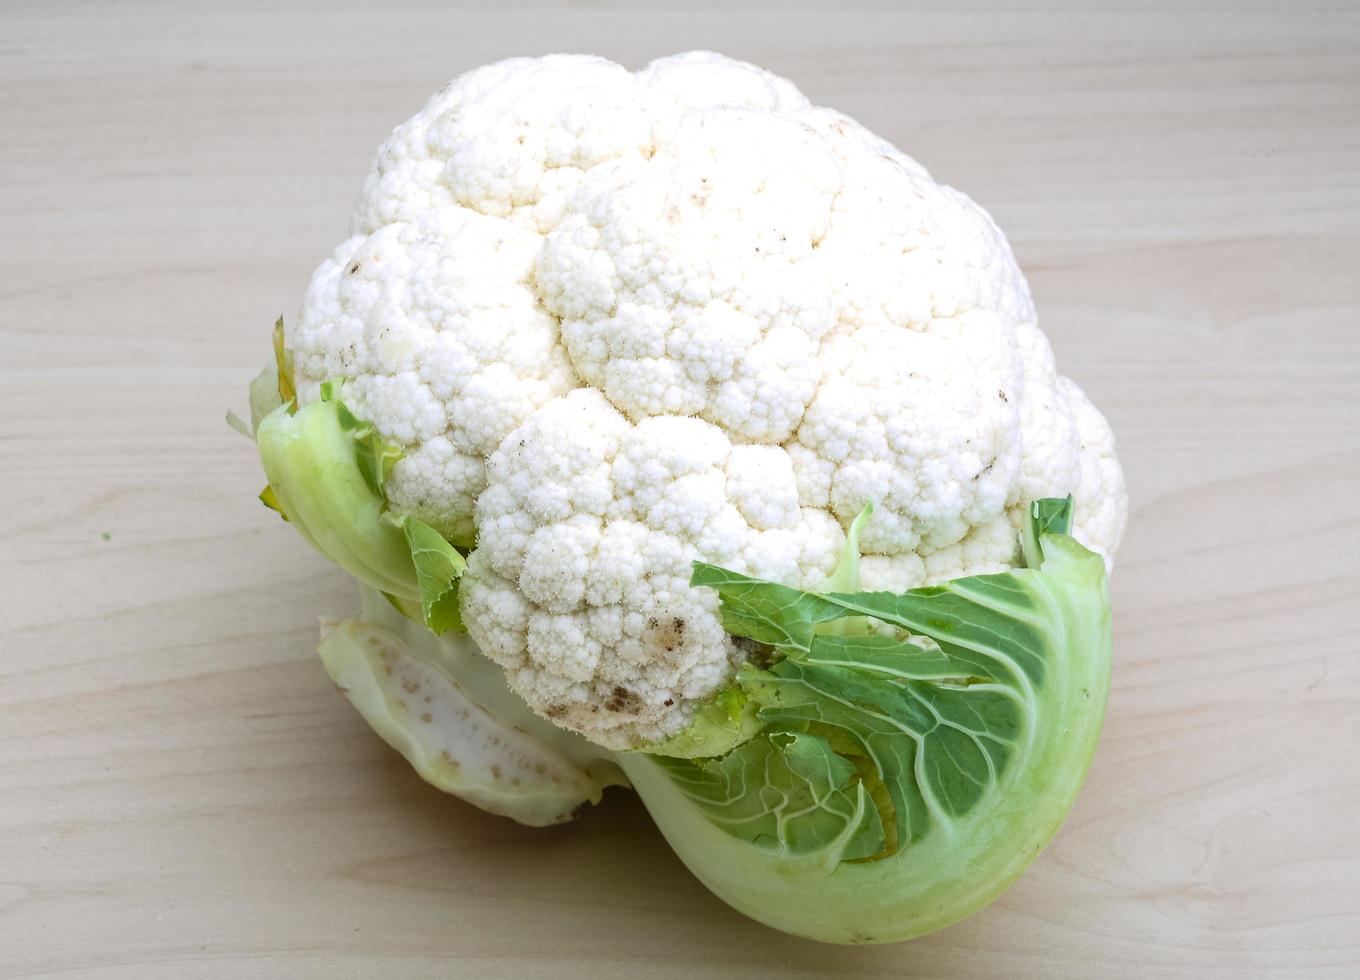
(183, 794)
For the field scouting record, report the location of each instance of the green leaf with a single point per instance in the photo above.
(264, 395)
(272, 502)
(937, 705)
(326, 471)
(765, 611)
(937, 749)
(403, 606)
(984, 620)
(810, 801)
(1051, 515)
(905, 770)
(721, 724)
(375, 455)
(240, 425)
(283, 364)
(265, 388)
(439, 566)
(846, 576)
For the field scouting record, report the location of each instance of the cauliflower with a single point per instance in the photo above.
(618, 322)
(596, 329)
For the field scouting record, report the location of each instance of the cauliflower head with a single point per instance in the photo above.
(616, 322)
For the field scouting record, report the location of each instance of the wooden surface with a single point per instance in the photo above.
(182, 792)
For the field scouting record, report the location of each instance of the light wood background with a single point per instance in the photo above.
(182, 792)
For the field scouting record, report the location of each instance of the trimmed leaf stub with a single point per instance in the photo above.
(439, 566)
(283, 369)
(410, 695)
